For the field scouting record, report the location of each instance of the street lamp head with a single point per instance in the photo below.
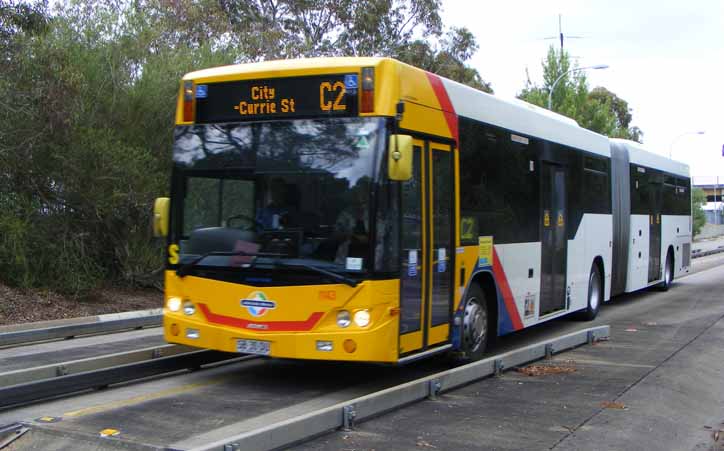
(600, 66)
(702, 132)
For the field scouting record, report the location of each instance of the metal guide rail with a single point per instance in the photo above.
(33, 384)
(101, 324)
(10, 433)
(344, 415)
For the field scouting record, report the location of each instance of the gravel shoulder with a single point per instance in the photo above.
(25, 306)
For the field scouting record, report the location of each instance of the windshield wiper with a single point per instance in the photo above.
(185, 269)
(336, 276)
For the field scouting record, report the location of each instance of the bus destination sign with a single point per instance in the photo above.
(314, 96)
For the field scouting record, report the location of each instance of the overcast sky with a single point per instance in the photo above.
(666, 60)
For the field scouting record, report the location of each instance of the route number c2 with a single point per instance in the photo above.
(327, 99)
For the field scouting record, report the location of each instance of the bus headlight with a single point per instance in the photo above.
(343, 318)
(189, 308)
(174, 304)
(362, 318)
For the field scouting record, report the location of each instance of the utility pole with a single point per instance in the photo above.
(560, 33)
(717, 205)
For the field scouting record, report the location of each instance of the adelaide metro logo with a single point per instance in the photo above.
(257, 304)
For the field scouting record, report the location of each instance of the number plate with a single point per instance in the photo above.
(253, 347)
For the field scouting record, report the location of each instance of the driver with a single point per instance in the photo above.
(271, 217)
(351, 227)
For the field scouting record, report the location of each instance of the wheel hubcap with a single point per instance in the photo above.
(594, 291)
(475, 325)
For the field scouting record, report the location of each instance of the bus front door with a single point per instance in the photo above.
(427, 245)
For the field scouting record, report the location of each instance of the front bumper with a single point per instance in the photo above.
(379, 343)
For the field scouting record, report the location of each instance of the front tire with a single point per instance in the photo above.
(595, 294)
(475, 325)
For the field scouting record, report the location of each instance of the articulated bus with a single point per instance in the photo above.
(361, 209)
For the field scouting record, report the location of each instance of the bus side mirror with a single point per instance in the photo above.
(160, 216)
(399, 157)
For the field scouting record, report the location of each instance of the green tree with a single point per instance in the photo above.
(88, 87)
(698, 200)
(599, 109)
(81, 153)
(294, 28)
(447, 57)
(622, 113)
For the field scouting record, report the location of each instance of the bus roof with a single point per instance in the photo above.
(283, 66)
(638, 154)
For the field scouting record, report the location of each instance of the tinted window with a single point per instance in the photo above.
(498, 191)
(596, 186)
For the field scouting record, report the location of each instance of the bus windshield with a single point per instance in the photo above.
(283, 194)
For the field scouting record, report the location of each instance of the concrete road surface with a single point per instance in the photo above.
(657, 384)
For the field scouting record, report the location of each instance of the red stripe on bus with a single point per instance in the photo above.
(262, 326)
(504, 287)
(447, 107)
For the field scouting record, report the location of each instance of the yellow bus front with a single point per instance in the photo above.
(281, 240)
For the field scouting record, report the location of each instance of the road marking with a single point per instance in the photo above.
(142, 398)
(574, 361)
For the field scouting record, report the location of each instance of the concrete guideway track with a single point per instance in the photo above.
(216, 402)
(347, 413)
(286, 419)
(33, 384)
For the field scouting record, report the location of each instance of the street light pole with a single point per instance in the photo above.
(576, 69)
(671, 146)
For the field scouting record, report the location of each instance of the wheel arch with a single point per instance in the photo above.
(485, 280)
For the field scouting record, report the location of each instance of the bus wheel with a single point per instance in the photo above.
(595, 294)
(475, 324)
(668, 273)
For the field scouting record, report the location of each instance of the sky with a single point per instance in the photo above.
(666, 59)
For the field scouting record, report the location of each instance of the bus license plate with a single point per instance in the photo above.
(252, 347)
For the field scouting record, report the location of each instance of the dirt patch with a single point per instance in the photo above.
(613, 405)
(24, 306)
(543, 370)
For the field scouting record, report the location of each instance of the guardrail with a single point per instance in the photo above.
(93, 325)
(27, 385)
(696, 253)
(344, 415)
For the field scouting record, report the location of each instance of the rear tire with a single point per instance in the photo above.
(595, 294)
(475, 325)
(668, 273)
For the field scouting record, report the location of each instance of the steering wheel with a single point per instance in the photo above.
(252, 223)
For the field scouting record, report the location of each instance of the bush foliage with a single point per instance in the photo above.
(87, 97)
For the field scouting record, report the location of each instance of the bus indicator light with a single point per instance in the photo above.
(350, 346)
(188, 101)
(367, 102)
